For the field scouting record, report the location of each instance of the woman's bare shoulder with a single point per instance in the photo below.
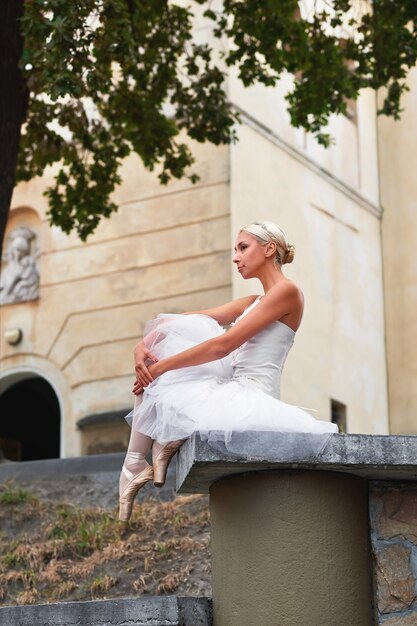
(287, 301)
(285, 288)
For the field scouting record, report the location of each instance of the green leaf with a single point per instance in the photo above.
(105, 73)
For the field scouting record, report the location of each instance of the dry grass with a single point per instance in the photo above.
(63, 552)
(101, 586)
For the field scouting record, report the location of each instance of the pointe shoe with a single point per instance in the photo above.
(162, 460)
(136, 482)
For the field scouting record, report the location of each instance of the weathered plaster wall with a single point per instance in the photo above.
(166, 249)
(397, 141)
(281, 552)
(169, 249)
(327, 202)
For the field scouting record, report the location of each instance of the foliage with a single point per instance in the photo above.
(111, 77)
(101, 75)
(333, 51)
(10, 496)
(81, 532)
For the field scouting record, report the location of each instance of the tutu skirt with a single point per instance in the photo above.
(233, 414)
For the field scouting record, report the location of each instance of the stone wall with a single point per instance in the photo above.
(393, 522)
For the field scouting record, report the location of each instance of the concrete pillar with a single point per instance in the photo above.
(290, 548)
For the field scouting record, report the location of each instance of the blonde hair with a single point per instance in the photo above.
(265, 232)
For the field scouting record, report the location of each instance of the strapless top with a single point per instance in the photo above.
(261, 358)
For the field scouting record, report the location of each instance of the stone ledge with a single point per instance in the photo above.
(60, 467)
(99, 419)
(151, 611)
(370, 456)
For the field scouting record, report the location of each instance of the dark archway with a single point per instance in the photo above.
(30, 421)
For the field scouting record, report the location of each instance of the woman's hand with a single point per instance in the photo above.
(142, 381)
(143, 357)
(137, 387)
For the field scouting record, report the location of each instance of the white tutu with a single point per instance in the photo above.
(227, 402)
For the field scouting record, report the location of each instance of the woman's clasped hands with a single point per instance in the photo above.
(144, 364)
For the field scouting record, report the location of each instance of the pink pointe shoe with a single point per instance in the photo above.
(136, 482)
(162, 459)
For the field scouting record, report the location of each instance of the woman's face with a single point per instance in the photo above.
(249, 255)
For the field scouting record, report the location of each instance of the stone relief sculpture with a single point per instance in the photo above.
(19, 278)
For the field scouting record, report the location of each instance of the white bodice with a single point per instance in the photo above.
(262, 357)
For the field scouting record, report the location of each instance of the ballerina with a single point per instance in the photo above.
(194, 375)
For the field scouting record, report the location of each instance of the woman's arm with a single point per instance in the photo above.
(227, 313)
(224, 314)
(276, 304)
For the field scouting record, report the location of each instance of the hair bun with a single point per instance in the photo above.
(289, 254)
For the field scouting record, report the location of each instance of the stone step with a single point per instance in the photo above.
(93, 479)
(150, 611)
(93, 464)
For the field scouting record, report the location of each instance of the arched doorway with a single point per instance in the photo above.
(30, 422)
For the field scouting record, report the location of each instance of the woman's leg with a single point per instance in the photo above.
(135, 459)
(162, 453)
(136, 472)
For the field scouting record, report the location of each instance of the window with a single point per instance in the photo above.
(338, 414)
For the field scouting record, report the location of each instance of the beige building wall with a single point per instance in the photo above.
(166, 249)
(328, 204)
(397, 147)
(170, 249)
